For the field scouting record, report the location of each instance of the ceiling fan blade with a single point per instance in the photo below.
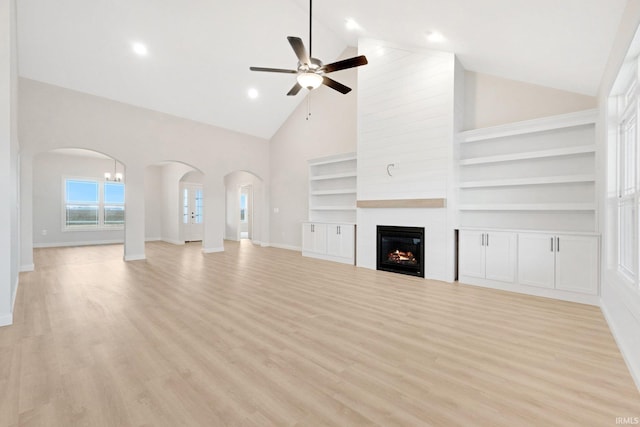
(335, 85)
(356, 61)
(294, 90)
(298, 47)
(273, 70)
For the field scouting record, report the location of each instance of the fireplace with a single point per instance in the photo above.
(401, 250)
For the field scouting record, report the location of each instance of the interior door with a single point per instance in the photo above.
(192, 212)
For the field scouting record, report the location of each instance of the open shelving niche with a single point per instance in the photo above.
(332, 189)
(536, 174)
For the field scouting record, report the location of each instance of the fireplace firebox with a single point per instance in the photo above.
(401, 250)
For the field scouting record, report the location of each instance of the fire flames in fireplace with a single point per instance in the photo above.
(400, 257)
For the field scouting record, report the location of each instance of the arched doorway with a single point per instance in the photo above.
(174, 210)
(78, 198)
(245, 214)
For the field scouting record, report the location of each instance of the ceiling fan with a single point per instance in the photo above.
(311, 72)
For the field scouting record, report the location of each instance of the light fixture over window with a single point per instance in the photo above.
(310, 80)
(117, 176)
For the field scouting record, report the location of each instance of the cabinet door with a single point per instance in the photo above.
(307, 237)
(577, 264)
(536, 260)
(319, 235)
(500, 256)
(341, 240)
(471, 254)
(314, 237)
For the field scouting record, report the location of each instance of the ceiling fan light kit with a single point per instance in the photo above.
(311, 72)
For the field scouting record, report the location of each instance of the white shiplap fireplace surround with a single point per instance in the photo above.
(408, 105)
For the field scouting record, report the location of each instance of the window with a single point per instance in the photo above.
(90, 204)
(243, 207)
(628, 187)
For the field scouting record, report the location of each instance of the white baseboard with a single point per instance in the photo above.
(287, 247)
(633, 364)
(152, 239)
(531, 290)
(6, 319)
(341, 260)
(173, 242)
(27, 268)
(15, 294)
(212, 250)
(134, 257)
(82, 243)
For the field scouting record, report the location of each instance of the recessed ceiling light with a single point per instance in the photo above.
(140, 49)
(435, 37)
(252, 93)
(352, 24)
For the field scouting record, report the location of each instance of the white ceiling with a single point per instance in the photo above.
(200, 50)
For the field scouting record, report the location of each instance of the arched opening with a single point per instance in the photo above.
(245, 213)
(174, 209)
(78, 198)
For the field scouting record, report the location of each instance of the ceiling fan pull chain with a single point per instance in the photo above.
(308, 106)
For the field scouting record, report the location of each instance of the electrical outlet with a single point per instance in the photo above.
(276, 210)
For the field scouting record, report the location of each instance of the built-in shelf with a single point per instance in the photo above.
(333, 176)
(556, 152)
(535, 174)
(334, 159)
(333, 189)
(530, 207)
(567, 179)
(530, 126)
(334, 192)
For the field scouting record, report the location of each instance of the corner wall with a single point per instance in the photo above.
(9, 163)
(619, 302)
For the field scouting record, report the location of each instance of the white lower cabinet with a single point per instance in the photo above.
(554, 265)
(487, 255)
(314, 237)
(556, 261)
(333, 242)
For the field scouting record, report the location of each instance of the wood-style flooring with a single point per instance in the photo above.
(262, 336)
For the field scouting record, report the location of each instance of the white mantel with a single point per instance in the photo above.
(406, 127)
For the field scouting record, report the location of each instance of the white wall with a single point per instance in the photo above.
(331, 129)
(491, 101)
(54, 117)
(406, 118)
(49, 170)
(619, 302)
(9, 148)
(153, 203)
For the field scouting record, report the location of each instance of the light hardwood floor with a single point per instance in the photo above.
(262, 336)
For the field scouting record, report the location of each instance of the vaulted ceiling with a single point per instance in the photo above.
(199, 51)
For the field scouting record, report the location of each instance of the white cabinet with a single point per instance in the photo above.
(341, 240)
(488, 255)
(536, 260)
(564, 262)
(330, 233)
(314, 237)
(329, 241)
